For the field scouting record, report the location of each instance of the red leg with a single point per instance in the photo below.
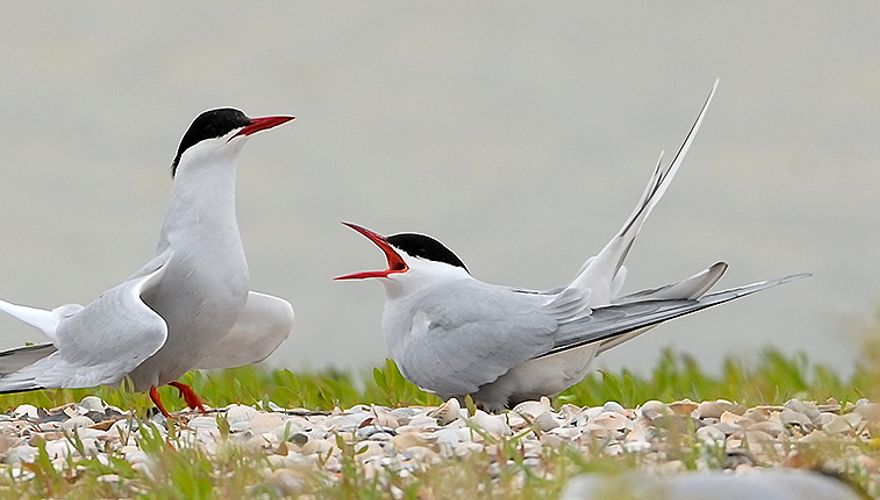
(189, 395)
(154, 395)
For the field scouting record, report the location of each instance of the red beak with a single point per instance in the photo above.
(396, 264)
(267, 122)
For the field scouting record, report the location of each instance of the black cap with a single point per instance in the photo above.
(425, 247)
(208, 125)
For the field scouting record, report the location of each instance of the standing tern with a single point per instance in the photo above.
(454, 335)
(189, 307)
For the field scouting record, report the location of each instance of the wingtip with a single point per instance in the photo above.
(795, 277)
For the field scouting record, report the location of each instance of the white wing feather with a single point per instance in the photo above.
(265, 322)
(103, 342)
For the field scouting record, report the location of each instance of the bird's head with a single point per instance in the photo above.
(218, 134)
(412, 260)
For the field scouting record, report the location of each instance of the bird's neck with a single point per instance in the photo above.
(202, 204)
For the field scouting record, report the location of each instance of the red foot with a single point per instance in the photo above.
(189, 396)
(154, 395)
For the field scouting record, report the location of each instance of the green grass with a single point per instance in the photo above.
(233, 472)
(775, 378)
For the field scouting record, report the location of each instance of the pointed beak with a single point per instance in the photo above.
(264, 123)
(396, 264)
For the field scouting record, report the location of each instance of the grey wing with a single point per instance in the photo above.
(473, 334)
(607, 323)
(265, 322)
(105, 341)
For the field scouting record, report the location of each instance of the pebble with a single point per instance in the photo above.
(407, 439)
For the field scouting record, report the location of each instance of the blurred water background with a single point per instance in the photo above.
(519, 133)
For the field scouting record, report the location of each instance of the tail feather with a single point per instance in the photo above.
(601, 272)
(44, 320)
(607, 323)
(13, 360)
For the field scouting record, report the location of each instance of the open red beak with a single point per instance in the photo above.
(396, 264)
(267, 122)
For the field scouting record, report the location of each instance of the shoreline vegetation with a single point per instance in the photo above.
(773, 379)
(334, 434)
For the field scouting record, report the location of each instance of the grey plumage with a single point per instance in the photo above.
(454, 335)
(188, 307)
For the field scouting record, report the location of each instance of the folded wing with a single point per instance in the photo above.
(607, 323)
(473, 333)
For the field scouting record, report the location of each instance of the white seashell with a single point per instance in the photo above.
(615, 421)
(567, 433)
(753, 437)
(612, 406)
(714, 409)
(240, 413)
(532, 409)
(369, 449)
(318, 446)
(449, 437)
(771, 427)
(598, 431)
(732, 418)
(683, 408)
(58, 449)
(77, 422)
(384, 418)
(516, 422)
(445, 413)
(653, 409)
(26, 410)
(840, 424)
(347, 423)
(265, 422)
(546, 421)
(804, 408)
(825, 418)
(23, 453)
(404, 441)
(552, 440)
(424, 421)
(493, 424)
(202, 423)
(761, 413)
(710, 434)
(93, 403)
(868, 411)
(726, 428)
(640, 432)
(815, 437)
(791, 417)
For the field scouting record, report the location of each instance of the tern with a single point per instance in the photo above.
(187, 308)
(454, 335)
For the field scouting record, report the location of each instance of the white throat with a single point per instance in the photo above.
(202, 204)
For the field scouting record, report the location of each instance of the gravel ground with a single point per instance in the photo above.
(658, 437)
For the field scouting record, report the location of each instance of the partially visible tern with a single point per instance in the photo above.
(454, 335)
(189, 307)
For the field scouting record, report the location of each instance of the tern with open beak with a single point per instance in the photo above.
(189, 307)
(454, 335)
